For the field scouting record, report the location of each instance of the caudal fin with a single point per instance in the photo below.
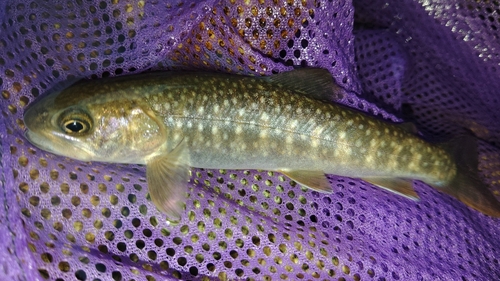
(467, 185)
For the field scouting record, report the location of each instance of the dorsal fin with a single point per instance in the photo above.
(408, 127)
(316, 83)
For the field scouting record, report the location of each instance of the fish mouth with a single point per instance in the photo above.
(51, 145)
(37, 141)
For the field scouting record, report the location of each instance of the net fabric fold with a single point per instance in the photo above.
(433, 62)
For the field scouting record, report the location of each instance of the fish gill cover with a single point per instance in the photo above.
(432, 62)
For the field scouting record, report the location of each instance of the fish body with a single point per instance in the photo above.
(175, 120)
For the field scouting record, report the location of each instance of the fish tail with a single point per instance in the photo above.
(467, 186)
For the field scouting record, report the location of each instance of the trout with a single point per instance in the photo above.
(173, 121)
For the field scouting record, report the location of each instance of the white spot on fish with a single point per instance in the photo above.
(412, 166)
(263, 134)
(238, 129)
(398, 149)
(342, 135)
(289, 139)
(201, 110)
(200, 127)
(264, 116)
(358, 143)
(361, 126)
(177, 137)
(350, 122)
(367, 132)
(215, 130)
(294, 124)
(394, 164)
(226, 103)
(216, 108)
(318, 131)
(369, 159)
(315, 142)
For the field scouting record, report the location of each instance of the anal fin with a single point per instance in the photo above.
(167, 177)
(399, 186)
(315, 180)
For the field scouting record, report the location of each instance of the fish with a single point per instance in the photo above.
(175, 120)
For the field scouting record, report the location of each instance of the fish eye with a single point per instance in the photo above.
(75, 126)
(74, 121)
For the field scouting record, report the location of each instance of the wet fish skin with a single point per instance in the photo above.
(220, 121)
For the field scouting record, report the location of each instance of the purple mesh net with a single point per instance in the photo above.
(434, 62)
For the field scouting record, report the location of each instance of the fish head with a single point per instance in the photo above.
(104, 126)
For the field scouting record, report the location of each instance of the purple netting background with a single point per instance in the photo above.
(432, 62)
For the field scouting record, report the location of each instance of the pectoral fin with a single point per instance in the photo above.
(167, 177)
(401, 187)
(315, 180)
